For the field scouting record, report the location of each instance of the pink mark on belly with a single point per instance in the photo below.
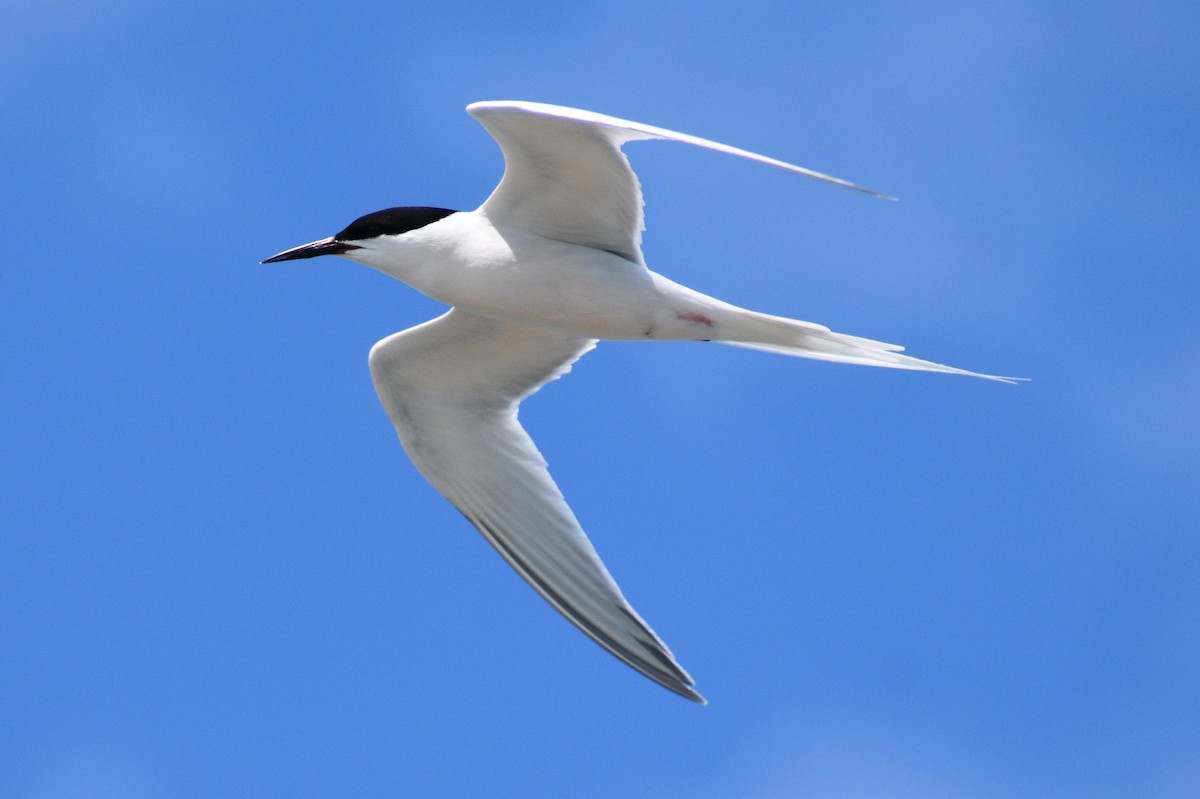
(698, 318)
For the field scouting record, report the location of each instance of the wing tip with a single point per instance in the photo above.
(685, 689)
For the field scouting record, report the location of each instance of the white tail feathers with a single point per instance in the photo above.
(758, 331)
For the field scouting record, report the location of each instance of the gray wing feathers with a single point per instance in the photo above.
(565, 180)
(565, 177)
(452, 387)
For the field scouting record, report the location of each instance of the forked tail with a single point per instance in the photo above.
(759, 331)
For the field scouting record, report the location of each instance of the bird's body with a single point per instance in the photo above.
(547, 266)
(467, 262)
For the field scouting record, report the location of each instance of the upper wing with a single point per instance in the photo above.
(451, 387)
(566, 178)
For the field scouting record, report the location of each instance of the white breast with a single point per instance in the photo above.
(508, 273)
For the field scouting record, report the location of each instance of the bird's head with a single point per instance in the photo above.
(368, 237)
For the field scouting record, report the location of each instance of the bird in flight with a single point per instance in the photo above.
(547, 266)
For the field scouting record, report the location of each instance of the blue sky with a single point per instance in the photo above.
(221, 577)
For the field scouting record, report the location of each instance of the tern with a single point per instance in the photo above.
(550, 264)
